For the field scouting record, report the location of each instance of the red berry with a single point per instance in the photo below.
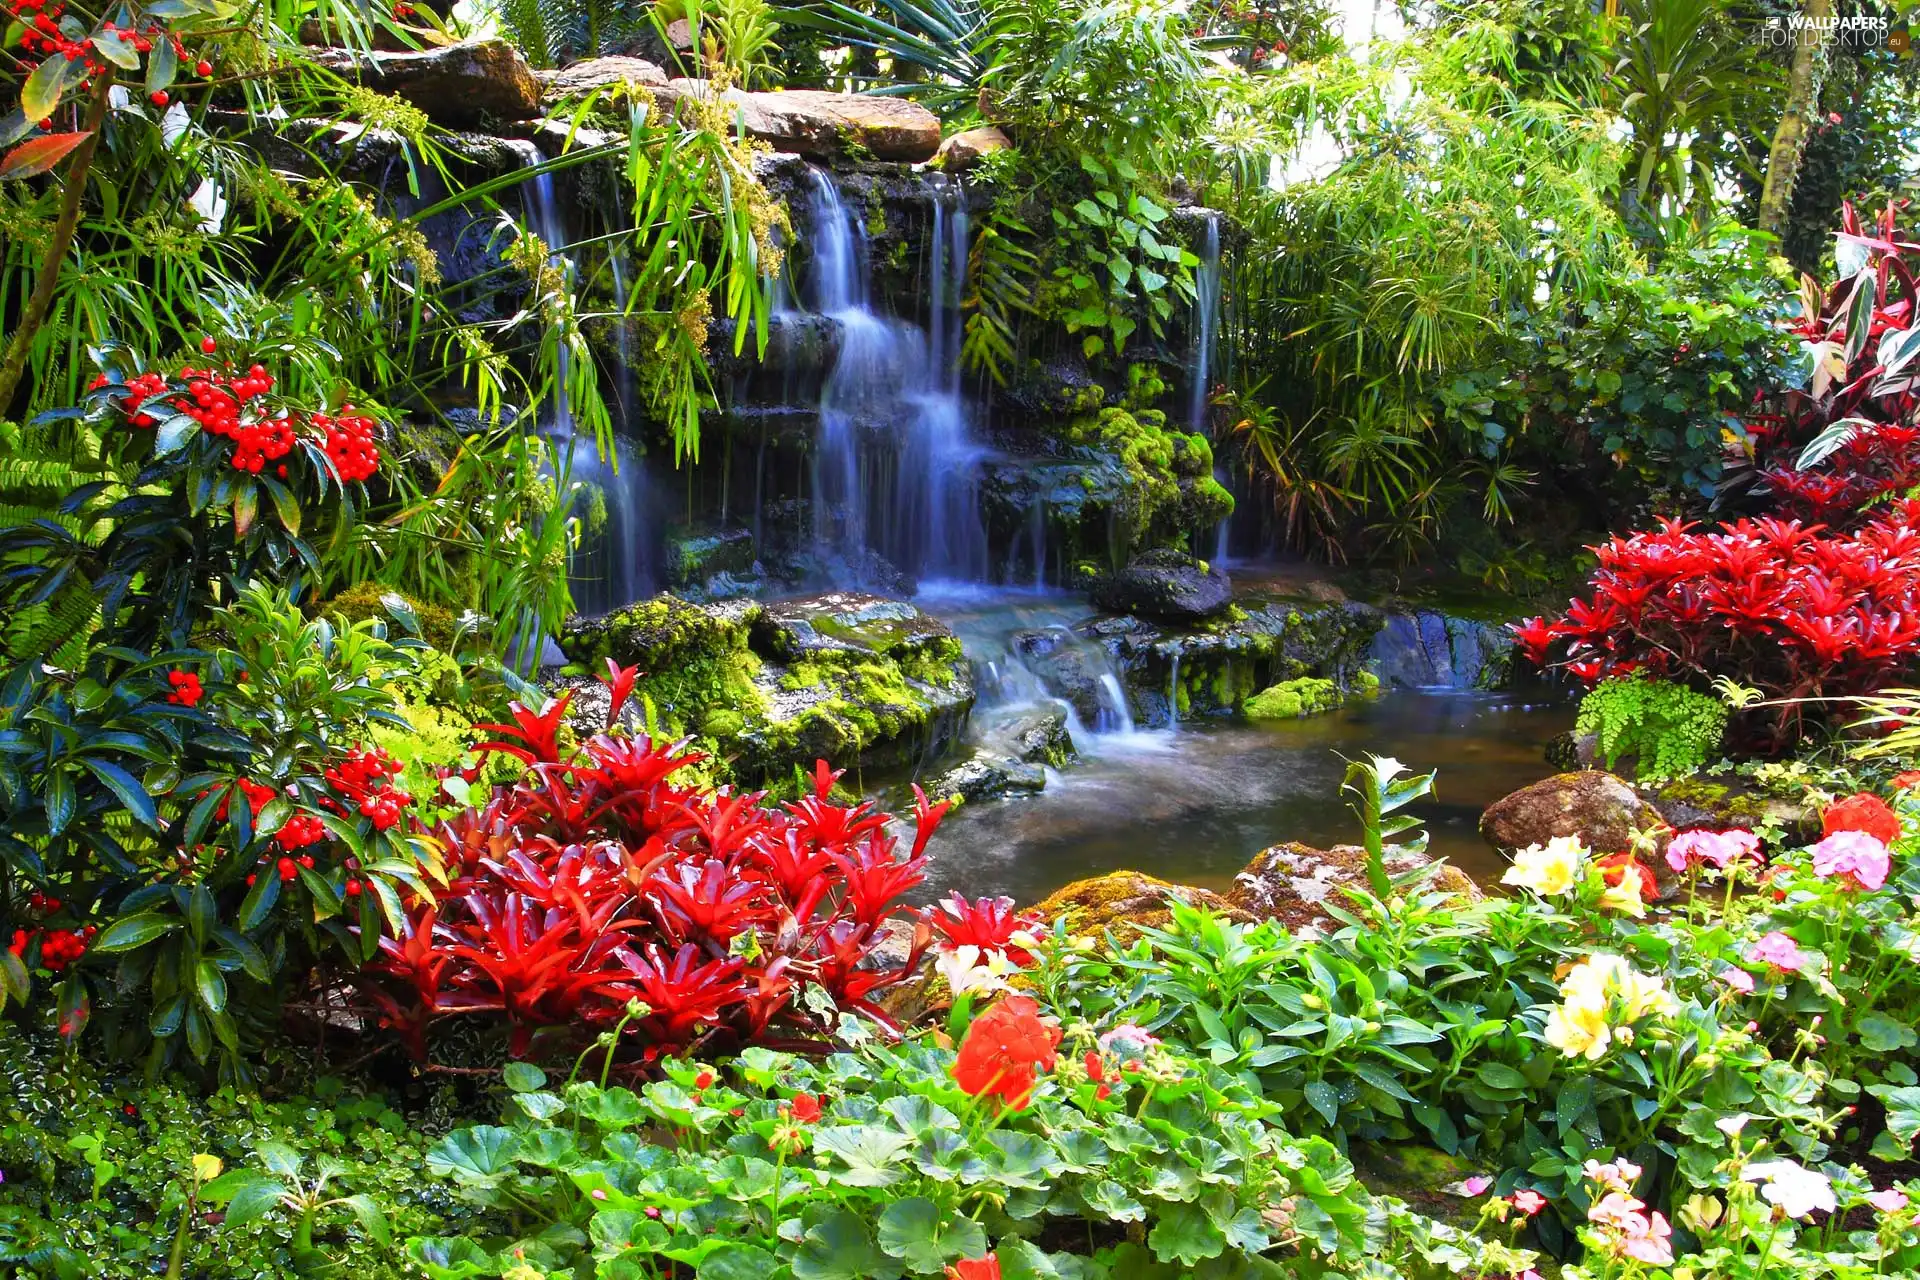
(353, 888)
(287, 869)
(209, 346)
(203, 68)
(159, 97)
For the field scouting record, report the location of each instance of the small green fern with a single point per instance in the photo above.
(1667, 728)
(1003, 274)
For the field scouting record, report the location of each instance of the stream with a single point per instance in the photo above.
(1194, 802)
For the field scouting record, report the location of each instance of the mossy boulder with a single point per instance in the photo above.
(1295, 883)
(1604, 811)
(1170, 490)
(376, 600)
(1166, 585)
(1693, 802)
(696, 556)
(858, 681)
(1292, 699)
(1124, 902)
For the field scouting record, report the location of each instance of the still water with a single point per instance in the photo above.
(1193, 804)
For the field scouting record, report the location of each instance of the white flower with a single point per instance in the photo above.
(968, 969)
(1733, 1124)
(1797, 1189)
(1548, 869)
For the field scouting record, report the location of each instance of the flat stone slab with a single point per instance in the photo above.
(460, 84)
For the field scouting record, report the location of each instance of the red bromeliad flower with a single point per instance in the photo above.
(1004, 1049)
(986, 923)
(1862, 812)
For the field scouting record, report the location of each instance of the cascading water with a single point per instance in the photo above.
(1206, 319)
(895, 469)
(614, 566)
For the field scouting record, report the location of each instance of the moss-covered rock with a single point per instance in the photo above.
(372, 600)
(860, 681)
(1169, 488)
(695, 556)
(1167, 585)
(1291, 699)
(1124, 902)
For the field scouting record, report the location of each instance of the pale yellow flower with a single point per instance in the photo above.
(1579, 1030)
(1625, 898)
(1548, 869)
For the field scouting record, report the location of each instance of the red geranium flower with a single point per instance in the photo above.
(1902, 781)
(1003, 1049)
(805, 1108)
(987, 1268)
(1615, 867)
(1862, 812)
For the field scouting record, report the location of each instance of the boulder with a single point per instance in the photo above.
(583, 77)
(1072, 670)
(851, 623)
(695, 556)
(1125, 902)
(1034, 737)
(966, 149)
(1294, 883)
(1601, 809)
(1291, 699)
(1166, 585)
(458, 85)
(986, 777)
(819, 124)
(1425, 650)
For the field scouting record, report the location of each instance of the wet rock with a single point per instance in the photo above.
(1425, 650)
(1168, 585)
(852, 622)
(1292, 699)
(966, 149)
(1124, 902)
(1601, 809)
(698, 557)
(658, 634)
(1694, 803)
(583, 77)
(986, 777)
(1035, 737)
(1295, 883)
(818, 124)
(459, 85)
(1072, 671)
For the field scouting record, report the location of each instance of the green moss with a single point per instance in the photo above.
(1291, 699)
(1731, 807)
(367, 600)
(1170, 488)
(1366, 684)
(692, 660)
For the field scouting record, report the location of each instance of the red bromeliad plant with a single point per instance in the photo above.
(597, 890)
(1819, 599)
(1796, 612)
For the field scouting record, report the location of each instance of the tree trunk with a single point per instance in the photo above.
(1790, 139)
(74, 186)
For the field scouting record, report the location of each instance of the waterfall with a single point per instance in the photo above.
(895, 467)
(614, 565)
(1206, 320)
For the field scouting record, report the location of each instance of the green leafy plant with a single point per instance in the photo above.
(1668, 728)
(1375, 791)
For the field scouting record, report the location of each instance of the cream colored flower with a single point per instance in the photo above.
(1579, 1030)
(968, 969)
(1548, 869)
(1624, 898)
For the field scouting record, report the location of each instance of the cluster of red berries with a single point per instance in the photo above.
(43, 32)
(187, 690)
(227, 405)
(365, 779)
(257, 796)
(285, 868)
(58, 947)
(402, 11)
(301, 830)
(350, 443)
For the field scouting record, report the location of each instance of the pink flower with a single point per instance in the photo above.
(1528, 1201)
(1777, 951)
(1718, 848)
(1859, 857)
(1475, 1185)
(1892, 1200)
(1738, 980)
(1617, 1210)
(1648, 1241)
